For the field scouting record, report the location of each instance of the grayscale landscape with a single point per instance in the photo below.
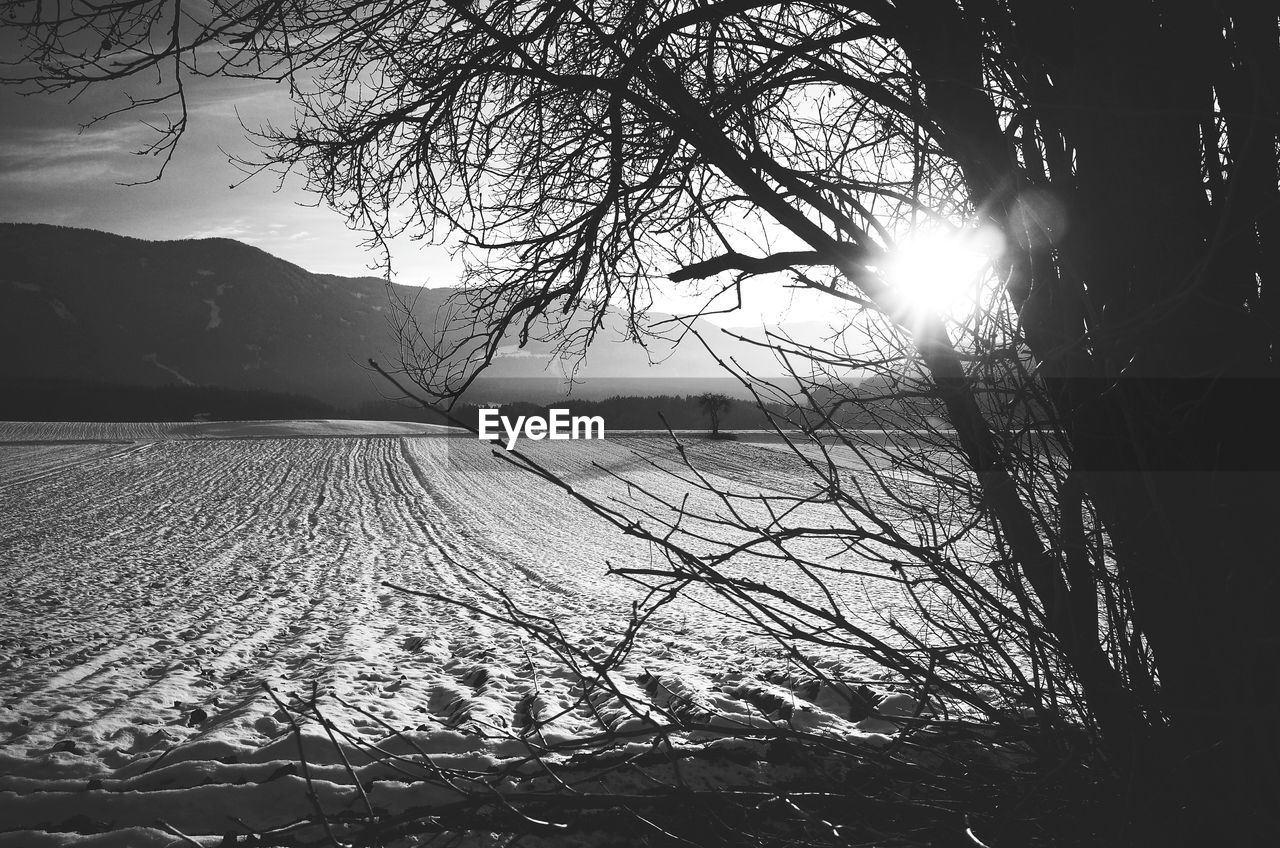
(639, 424)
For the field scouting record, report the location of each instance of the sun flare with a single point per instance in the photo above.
(941, 270)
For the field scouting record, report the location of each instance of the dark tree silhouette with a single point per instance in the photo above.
(1107, 399)
(712, 404)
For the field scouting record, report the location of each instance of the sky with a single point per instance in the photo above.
(52, 171)
(55, 170)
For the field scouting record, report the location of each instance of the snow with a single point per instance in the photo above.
(516, 352)
(151, 357)
(157, 579)
(60, 309)
(52, 432)
(215, 315)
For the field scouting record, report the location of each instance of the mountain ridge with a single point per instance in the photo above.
(86, 305)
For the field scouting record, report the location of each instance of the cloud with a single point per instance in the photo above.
(240, 229)
(251, 102)
(44, 155)
(51, 172)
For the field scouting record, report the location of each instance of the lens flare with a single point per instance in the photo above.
(941, 271)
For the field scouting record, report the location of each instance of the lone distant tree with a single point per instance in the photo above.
(1104, 388)
(712, 404)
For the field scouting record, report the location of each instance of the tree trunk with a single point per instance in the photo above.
(1147, 330)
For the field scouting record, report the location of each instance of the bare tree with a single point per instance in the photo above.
(712, 404)
(1102, 406)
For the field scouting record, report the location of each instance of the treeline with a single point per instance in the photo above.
(33, 399)
(639, 413)
(872, 403)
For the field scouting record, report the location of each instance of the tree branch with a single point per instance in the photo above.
(751, 265)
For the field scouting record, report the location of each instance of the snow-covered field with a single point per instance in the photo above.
(156, 579)
(77, 431)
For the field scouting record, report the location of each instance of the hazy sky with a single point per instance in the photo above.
(52, 171)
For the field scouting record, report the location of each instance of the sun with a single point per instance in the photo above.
(941, 270)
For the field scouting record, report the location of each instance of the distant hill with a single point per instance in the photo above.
(86, 306)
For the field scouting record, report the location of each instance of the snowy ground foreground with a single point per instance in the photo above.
(74, 431)
(152, 581)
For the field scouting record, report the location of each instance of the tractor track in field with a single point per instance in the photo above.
(153, 590)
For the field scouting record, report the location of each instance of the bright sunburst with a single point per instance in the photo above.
(941, 270)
